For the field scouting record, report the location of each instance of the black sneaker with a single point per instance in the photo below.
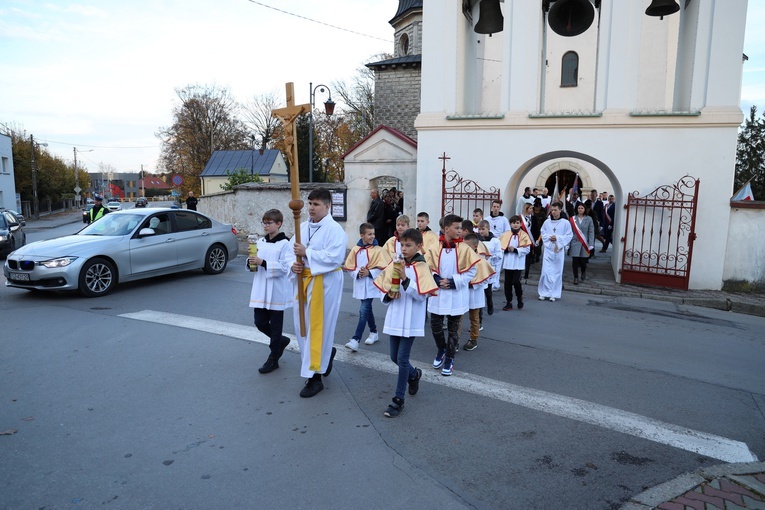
(395, 408)
(331, 359)
(414, 383)
(470, 345)
(285, 344)
(311, 388)
(520, 305)
(271, 364)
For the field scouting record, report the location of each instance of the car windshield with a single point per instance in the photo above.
(114, 224)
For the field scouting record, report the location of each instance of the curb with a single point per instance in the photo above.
(741, 475)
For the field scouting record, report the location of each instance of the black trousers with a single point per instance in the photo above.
(270, 323)
(578, 263)
(513, 281)
(453, 327)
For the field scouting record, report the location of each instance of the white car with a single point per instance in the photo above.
(121, 247)
(114, 206)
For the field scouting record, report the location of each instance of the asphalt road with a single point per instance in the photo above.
(150, 398)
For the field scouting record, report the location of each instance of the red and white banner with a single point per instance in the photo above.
(579, 235)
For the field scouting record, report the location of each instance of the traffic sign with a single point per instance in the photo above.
(177, 180)
(77, 189)
(174, 193)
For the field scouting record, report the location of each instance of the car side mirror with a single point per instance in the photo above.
(146, 232)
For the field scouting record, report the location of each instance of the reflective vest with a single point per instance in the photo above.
(101, 212)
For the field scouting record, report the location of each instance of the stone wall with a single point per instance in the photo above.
(744, 264)
(243, 207)
(397, 98)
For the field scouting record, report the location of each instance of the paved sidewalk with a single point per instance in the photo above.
(727, 487)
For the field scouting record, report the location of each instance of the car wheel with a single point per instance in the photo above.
(97, 278)
(215, 259)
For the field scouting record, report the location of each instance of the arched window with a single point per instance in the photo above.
(569, 76)
(403, 44)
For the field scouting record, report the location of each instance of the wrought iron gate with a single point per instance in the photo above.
(462, 196)
(659, 235)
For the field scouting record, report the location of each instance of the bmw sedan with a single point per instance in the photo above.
(12, 236)
(121, 247)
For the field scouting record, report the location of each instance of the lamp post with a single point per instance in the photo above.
(329, 109)
(252, 155)
(35, 201)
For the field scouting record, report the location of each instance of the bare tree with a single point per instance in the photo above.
(204, 120)
(257, 114)
(358, 96)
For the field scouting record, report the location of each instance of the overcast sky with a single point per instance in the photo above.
(102, 75)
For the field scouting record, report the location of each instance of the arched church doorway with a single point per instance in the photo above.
(565, 179)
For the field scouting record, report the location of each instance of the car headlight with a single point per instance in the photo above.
(3, 238)
(60, 262)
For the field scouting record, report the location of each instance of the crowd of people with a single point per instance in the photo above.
(415, 272)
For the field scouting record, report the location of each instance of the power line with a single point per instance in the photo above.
(102, 146)
(319, 22)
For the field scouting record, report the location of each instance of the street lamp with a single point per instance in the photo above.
(329, 109)
(252, 155)
(35, 201)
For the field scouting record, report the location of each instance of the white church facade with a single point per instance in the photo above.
(632, 103)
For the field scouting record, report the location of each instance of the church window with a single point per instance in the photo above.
(403, 44)
(569, 70)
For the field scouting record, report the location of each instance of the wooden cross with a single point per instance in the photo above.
(288, 116)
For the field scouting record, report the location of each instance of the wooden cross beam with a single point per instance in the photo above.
(288, 116)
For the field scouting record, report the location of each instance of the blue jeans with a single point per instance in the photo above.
(400, 348)
(366, 315)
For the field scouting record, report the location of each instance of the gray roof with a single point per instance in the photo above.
(404, 6)
(222, 161)
(409, 59)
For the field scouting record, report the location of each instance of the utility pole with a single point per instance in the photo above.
(143, 183)
(35, 203)
(77, 188)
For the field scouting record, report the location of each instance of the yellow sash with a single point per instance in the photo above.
(315, 317)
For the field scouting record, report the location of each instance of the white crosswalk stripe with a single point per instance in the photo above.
(591, 413)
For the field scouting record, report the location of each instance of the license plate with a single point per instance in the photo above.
(20, 277)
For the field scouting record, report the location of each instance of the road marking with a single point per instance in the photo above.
(709, 445)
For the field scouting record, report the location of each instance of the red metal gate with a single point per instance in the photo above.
(659, 235)
(462, 196)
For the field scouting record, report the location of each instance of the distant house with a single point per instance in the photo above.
(270, 166)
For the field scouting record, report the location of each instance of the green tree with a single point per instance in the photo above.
(239, 176)
(750, 154)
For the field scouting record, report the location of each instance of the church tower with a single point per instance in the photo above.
(397, 80)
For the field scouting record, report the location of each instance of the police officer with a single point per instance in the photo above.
(98, 210)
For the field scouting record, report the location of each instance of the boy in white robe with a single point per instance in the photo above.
(393, 244)
(476, 296)
(405, 284)
(495, 259)
(453, 266)
(319, 261)
(556, 236)
(365, 262)
(271, 290)
(515, 244)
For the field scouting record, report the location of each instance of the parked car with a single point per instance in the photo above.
(86, 213)
(12, 235)
(18, 215)
(141, 202)
(114, 206)
(121, 247)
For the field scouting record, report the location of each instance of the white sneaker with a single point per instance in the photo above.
(373, 338)
(353, 345)
(541, 298)
(552, 300)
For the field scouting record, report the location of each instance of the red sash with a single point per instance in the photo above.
(525, 227)
(579, 235)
